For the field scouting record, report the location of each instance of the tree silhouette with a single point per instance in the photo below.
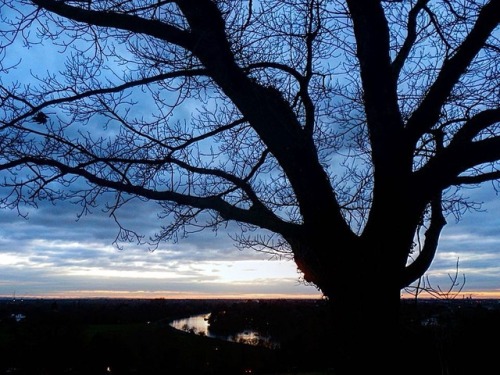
(342, 130)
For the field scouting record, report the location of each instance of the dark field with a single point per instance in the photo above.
(133, 337)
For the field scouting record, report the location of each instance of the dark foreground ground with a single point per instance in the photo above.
(133, 337)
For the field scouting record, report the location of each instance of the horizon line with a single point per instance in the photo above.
(169, 295)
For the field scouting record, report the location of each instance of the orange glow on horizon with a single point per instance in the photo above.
(104, 294)
(160, 295)
(473, 294)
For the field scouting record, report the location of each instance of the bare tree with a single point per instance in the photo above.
(424, 287)
(341, 129)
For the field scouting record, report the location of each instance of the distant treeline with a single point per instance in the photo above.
(111, 336)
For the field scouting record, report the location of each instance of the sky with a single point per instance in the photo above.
(53, 255)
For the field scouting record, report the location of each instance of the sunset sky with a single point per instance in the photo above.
(52, 254)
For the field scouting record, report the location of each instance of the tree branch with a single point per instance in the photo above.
(116, 20)
(422, 263)
(445, 168)
(472, 180)
(379, 85)
(428, 112)
(411, 37)
(475, 125)
(108, 90)
(256, 215)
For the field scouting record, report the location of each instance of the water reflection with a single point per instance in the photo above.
(198, 324)
(195, 324)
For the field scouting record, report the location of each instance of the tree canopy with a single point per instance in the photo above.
(344, 130)
(315, 116)
(293, 117)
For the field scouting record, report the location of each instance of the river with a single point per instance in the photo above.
(198, 324)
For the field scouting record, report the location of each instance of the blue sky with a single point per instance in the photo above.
(52, 254)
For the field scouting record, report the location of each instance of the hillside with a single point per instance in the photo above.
(134, 337)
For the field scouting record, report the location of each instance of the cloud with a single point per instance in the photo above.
(52, 253)
(55, 253)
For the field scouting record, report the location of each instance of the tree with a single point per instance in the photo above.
(342, 130)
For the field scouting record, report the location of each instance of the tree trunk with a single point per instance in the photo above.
(360, 276)
(366, 337)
